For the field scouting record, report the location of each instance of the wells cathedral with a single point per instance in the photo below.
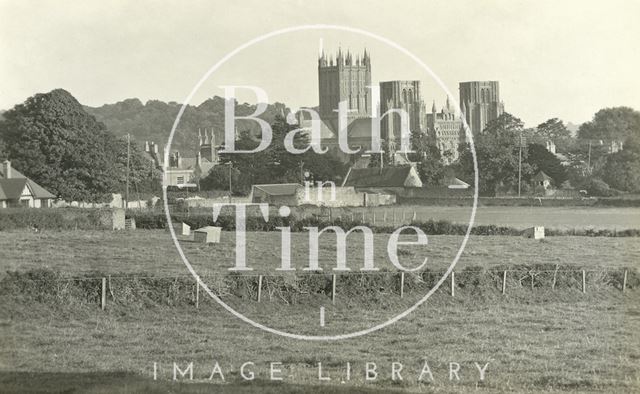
(346, 77)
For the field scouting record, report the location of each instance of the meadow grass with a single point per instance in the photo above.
(152, 252)
(562, 341)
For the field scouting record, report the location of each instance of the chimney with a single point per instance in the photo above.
(146, 146)
(6, 169)
(155, 148)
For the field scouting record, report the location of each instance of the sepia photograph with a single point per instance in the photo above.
(293, 196)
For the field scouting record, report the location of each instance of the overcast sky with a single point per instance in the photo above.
(563, 59)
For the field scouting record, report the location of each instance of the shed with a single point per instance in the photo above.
(207, 234)
(542, 180)
(536, 232)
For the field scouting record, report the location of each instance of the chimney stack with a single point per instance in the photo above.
(6, 169)
(146, 146)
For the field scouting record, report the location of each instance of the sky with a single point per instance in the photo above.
(564, 59)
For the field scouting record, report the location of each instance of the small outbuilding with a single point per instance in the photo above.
(208, 234)
(536, 232)
(542, 180)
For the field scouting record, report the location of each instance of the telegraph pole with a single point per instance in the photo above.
(589, 159)
(128, 169)
(520, 164)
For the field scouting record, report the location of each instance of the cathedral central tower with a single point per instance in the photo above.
(344, 79)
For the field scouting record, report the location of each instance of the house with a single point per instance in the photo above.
(388, 178)
(186, 171)
(16, 190)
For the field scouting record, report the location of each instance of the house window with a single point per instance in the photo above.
(180, 180)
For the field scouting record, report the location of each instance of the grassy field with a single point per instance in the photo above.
(518, 217)
(542, 341)
(534, 339)
(152, 252)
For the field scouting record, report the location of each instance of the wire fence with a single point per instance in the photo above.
(330, 283)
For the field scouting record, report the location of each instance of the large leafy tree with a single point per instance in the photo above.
(497, 152)
(618, 123)
(52, 140)
(622, 169)
(428, 158)
(555, 130)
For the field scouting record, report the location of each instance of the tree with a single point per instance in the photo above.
(430, 167)
(622, 169)
(386, 156)
(275, 164)
(541, 159)
(555, 130)
(618, 123)
(53, 141)
(497, 153)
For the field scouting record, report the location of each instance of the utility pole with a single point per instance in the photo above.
(520, 164)
(589, 159)
(126, 204)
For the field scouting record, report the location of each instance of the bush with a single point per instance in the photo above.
(598, 188)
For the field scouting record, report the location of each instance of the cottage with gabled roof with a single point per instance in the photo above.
(16, 190)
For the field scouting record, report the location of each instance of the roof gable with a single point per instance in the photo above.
(11, 189)
(36, 190)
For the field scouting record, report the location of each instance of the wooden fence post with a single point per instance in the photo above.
(415, 216)
(624, 281)
(362, 216)
(384, 217)
(453, 284)
(259, 287)
(103, 298)
(504, 282)
(401, 284)
(374, 218)
(555, 277)
(584, 281)
(333, 288)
